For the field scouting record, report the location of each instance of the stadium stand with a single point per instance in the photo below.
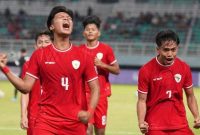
(129, 26)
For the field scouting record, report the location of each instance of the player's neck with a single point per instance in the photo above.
(62, 43)
(92, 43)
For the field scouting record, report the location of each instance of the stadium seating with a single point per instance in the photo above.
(132, 23)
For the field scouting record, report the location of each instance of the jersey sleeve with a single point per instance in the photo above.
(188, 78)
(33, 68)
(24, 69)
(111, 56)
(90, 70)
(143, 81)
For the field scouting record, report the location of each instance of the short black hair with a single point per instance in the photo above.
(44, 32)
(56, 10)
(166, 35)
(93, 19)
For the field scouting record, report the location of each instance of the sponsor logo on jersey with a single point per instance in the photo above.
(50, 62)
(157, 79)
(100, 55)
(177, 77)
(76, 64)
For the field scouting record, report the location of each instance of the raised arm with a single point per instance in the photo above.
(23, 85)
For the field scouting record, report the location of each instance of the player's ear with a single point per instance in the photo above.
(99, 33)
(35, 46)
(51, 27)
(83, 33)
(157, 50)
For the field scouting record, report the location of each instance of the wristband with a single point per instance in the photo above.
(91, 111)
(5, 70)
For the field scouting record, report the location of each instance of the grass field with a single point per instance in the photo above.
(122, 118)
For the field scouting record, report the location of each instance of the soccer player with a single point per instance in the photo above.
(161, 81)
(62, 70)
(105, 61)
(29, 102)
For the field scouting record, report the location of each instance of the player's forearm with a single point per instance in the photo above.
(141, 111)
(94, 87)
(17, 82)
(24, 104)
(192, 104)
(114, 69)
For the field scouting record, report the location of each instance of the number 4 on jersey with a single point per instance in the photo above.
(64, 82)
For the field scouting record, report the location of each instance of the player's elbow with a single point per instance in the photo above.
(117, 71)
(25, 89)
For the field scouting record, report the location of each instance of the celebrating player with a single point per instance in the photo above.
(62, 70)
(104, 59)
(160, 106)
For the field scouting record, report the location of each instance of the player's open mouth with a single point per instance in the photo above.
(65, 25)
(169, 59)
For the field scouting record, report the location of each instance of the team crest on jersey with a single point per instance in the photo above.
(177, 77)
(76, 64)
(100, 55)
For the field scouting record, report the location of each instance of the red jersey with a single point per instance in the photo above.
(163, 86)
(62, 75)
(34, 95)
(105, 53)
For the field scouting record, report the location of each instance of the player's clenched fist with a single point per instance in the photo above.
(3, 60)
(144, 127)
(197, 123)
(84, 116)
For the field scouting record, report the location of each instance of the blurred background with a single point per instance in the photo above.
(128, 26)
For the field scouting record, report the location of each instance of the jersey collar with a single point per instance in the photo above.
(62, 50)
(93, 46)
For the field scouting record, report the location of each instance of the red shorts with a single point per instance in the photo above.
(100, 113)
(182, 131)
(45, 126)
(108, 89)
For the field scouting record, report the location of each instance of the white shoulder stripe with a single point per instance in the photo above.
(113, 62)
(142, 92)
(32, 75)
(92, 79)
(189, 86)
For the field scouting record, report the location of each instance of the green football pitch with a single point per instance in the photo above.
(122, 118)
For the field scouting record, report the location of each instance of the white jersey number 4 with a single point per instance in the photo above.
(65, 83)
